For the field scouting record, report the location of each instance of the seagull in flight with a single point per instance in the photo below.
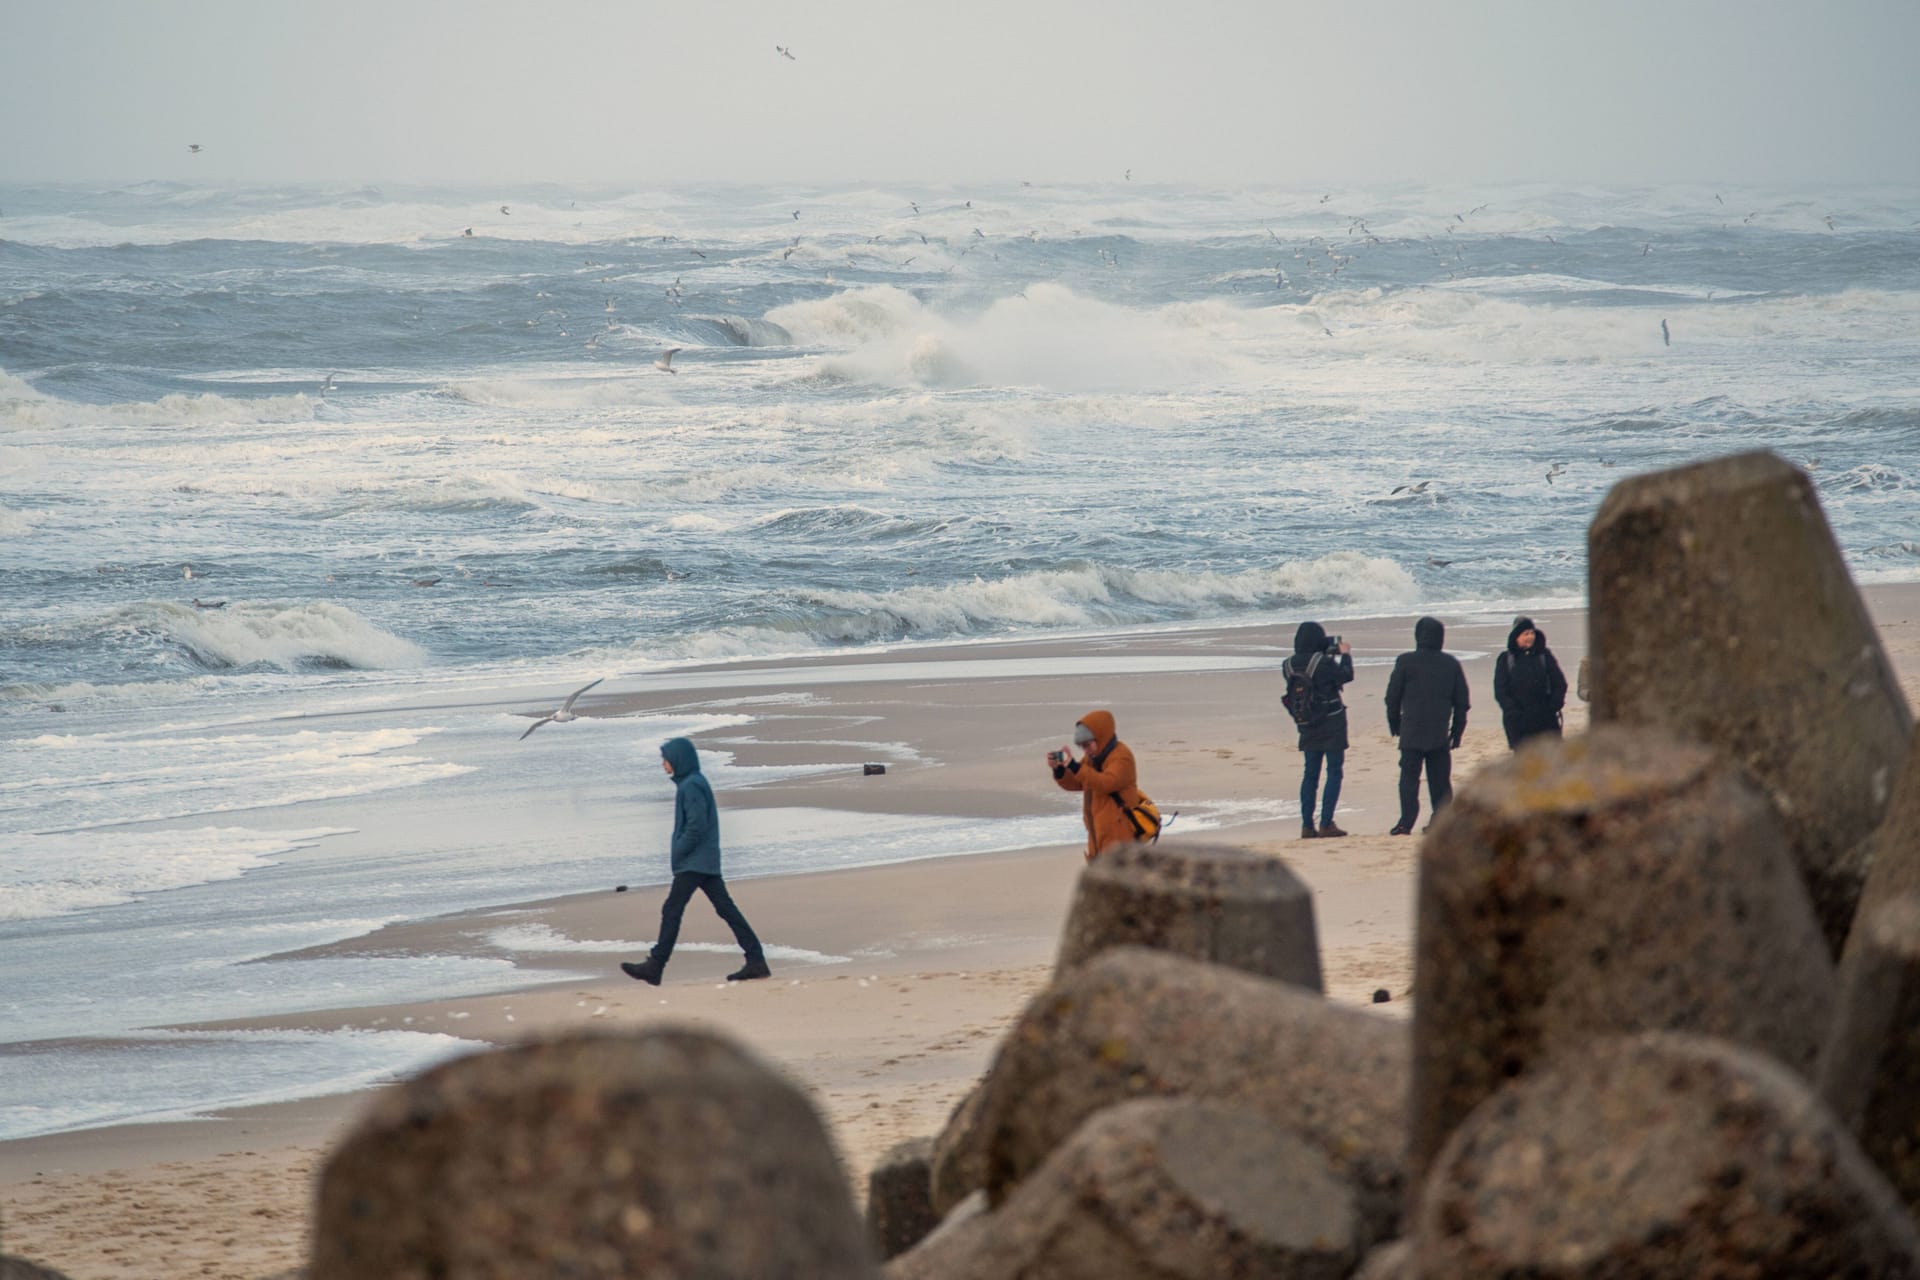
(193, 148)
(785, 52)
(1664, 335)
(506, 211)
(1421, 487)
(327, 385)
(796, 215)
(563, 714)
(915, 204)
(665, 362)
(468, 233)
(1829, 221)
(1558, 468)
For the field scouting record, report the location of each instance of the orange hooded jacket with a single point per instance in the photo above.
(1107, 823)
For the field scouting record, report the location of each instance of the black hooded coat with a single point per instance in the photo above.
(1529, 685)
(1328, 730)
(1427, 694)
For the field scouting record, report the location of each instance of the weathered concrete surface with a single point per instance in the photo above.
(1720, 607)
(1390, 1261)
(12, 1268)
(1621, 881)
(1870, 1072)
(1215, 903)
(1133, 1023)
(959, 1159)
(1893, 850)
(900, 1209)
(662, 1153)
(1660, 1157)
(1164, 1188)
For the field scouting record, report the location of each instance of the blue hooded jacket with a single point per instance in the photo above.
(696, 819)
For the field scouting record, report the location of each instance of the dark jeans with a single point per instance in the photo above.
(1439, 766)
(1310, 781)
(676, 906)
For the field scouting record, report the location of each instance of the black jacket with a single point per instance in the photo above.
(1529, 685)
(1427, 693)
(1328, 732)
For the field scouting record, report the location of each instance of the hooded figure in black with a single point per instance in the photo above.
(694, 855)
(1427, 710)
(1323, 738)
(1528, 684)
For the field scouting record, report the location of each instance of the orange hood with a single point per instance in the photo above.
(1101, 725)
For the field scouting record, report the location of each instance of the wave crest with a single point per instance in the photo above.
(23, 406)
(291, 638)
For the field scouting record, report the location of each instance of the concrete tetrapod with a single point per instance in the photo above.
(1622, 881)
(900, 1198)
(1660, 1157)
(1870, 1072)
(1215, 903)
(1132, 1023)
(1721, 608)
(1894, 848)
(1163, 1188)
(662, 1153)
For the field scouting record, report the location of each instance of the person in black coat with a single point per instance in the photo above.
(1528, 684)
(1427, 710)
(1323, 737)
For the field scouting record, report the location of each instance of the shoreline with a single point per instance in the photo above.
(922, 961)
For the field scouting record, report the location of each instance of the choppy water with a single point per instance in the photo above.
(1015, 409)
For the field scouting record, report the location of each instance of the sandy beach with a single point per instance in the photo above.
(891, 982)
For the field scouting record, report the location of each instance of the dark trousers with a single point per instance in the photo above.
(1336, 762)
(1439, 766)
(676, 906)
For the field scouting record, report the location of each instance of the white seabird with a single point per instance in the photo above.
(665, 362)
(564, 713)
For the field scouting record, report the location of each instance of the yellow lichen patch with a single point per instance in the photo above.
(1582, 774)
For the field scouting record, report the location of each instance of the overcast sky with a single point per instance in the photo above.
(1257, 93)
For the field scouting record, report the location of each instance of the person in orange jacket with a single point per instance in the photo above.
(1104, 775)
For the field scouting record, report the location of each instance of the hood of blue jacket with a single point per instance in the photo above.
(679, 753)
(1430, 633)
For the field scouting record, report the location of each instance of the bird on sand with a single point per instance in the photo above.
(564, 713)
(665, 362)
(1665, 336)
(1558, 468)
(785, 52)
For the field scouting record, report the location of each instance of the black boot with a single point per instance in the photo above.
(648, 971)
(754, 969)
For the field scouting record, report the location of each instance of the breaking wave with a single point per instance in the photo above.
(23, 406)
(316, 634)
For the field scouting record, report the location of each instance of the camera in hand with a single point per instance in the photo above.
(1056, 758)
(1333, 644)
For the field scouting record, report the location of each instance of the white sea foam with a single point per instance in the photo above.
(1095, 594)
(560, 393)
(81, 782)
(539, 938)
(184, 1075)
(23, 406)
(1046, 336)
(49, 875)
(245, 634)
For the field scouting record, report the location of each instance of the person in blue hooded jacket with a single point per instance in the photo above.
(696, 865)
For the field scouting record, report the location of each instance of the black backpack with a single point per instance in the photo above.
(1299, 699)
